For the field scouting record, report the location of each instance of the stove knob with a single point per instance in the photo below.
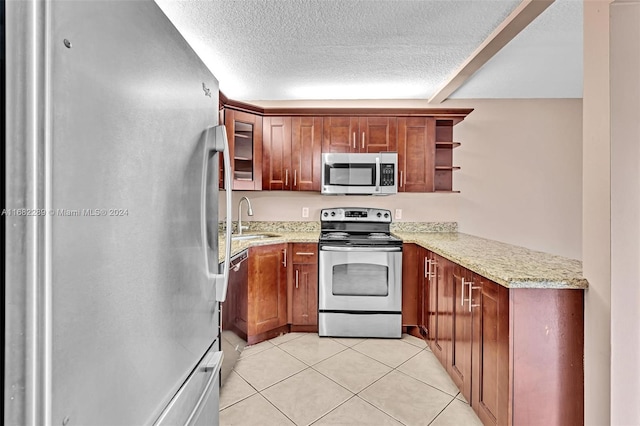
(379, 214)
(325, 214)
(333, 214)
(386, 215)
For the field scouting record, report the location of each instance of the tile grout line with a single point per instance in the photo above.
(312, 367)
(428, 384)
(331, 356)
(442, 411)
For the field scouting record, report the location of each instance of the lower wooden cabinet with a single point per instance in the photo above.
(274, 291)
(412, 286)
(267, 292)
(303, 287)
(439, 307)
(515, 354)
(462, 307)
(489, 355)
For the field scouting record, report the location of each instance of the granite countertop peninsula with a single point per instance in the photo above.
(508, 265)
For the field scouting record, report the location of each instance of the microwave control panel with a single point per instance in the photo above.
(387, 174)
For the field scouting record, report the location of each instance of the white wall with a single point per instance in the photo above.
(596, 217)
(520, 176)
(521, 172)
(625, 212)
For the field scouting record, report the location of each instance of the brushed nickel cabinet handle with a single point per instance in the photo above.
(462, 293)
(426, 269)
(284, 259)
(354, 140)
(295, 177)
(286, 177)
(296, 278)
(362, 140)
(471, 288)
(432, 265)
(304, 253)
(400, 178)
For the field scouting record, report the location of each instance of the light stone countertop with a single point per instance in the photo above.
(284, 237)
(506, 264)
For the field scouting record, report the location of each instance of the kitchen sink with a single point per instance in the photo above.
(253, 236)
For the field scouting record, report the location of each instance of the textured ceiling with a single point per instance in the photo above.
(349, 49)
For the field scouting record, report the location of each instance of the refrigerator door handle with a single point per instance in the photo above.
(216, 141)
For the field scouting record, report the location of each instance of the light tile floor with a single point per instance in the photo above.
(303, 379)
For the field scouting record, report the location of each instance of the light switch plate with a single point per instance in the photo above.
(305, 212)
(398, 214)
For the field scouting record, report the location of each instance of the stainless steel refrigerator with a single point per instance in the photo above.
(112, 287)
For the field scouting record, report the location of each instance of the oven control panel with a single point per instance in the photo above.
(355, 214)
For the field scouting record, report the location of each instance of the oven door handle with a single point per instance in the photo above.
(365, 249)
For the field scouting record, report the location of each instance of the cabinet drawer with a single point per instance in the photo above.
(305, 253)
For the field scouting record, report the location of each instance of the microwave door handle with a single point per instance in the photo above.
(377, 174)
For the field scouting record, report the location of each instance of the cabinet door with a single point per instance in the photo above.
(303, 285)
(306, 151)
(441, 273)
(416, 154)
(460, 361)
(276, 158)
(340, 134)
(267, 288)
(438, 272)
(411, 286)
(377, 134)
(490, 352)
(244, 132)
(305, 294)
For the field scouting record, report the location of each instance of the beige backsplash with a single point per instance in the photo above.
(314, 226)
(282, 206)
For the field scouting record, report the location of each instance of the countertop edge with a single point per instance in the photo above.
(558, 283)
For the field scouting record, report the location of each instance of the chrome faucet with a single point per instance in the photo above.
(249, 212)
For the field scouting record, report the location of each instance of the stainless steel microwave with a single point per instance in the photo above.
(360, 173)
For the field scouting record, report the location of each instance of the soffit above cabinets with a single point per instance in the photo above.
(384, 49)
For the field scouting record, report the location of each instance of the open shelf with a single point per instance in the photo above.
(446, 145)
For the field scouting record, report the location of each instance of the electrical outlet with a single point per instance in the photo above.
(305, 212)
(398, 214)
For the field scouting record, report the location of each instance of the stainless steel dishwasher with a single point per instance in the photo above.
(232, 340)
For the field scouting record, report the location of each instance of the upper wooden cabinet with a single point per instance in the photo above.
(416, 154)
(291, 153)
(276, 152)
(359, 134)
(288, 157)
(244, 132)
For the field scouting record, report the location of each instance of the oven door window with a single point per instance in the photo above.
(360, 279)
(344, 174)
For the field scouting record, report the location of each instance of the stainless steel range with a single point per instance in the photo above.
(360, 274)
